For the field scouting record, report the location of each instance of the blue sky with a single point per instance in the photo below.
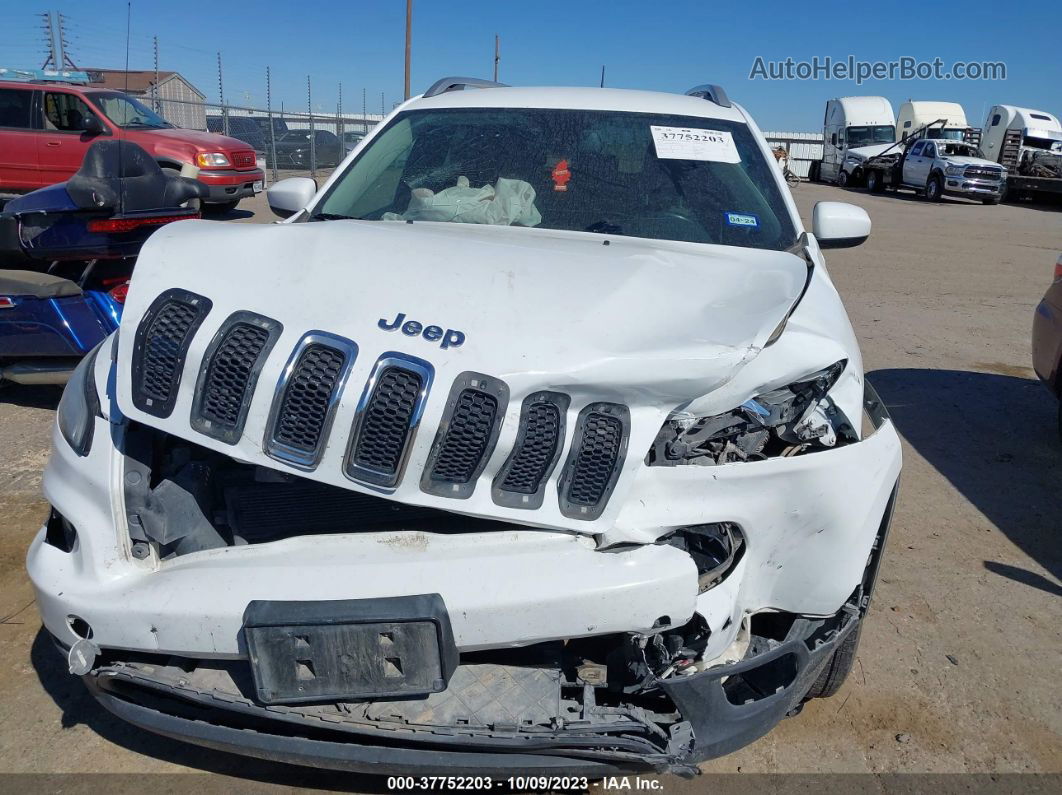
(667, 46)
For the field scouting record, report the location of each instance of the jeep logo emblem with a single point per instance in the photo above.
(451, 338)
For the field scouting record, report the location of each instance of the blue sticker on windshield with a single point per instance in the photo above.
(742, 219)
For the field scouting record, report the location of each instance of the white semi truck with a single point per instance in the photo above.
(1028, 143)
(852, 123)
(920, 113)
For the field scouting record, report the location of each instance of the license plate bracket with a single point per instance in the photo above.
(351, 649)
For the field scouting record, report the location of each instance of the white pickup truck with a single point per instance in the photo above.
(936, 167)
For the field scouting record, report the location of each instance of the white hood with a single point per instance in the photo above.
(650, 324)
(966, 160)
(864, 152)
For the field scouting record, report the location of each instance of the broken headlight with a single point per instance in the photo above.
(782, 422)
(80, 405)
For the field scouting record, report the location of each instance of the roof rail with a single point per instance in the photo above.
(460, 84)
(712, 93)
(43, 75)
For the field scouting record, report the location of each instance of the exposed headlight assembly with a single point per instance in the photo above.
(782, 422)
(80, 405)
(955, 171)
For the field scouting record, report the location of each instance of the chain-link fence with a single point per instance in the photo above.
(287, 143)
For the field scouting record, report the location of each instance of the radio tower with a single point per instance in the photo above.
(56, 42)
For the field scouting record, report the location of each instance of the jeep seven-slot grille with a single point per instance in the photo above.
(467, 435)
(306, 406)
(598, 454)
(385, 425)
(229, 376)
(535, 453)
(160, 346)
(595, 461)
(467, 438)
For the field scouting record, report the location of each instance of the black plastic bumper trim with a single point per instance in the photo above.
(376, 759)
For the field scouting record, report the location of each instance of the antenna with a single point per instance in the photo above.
(409, 40)
(121, 169)
(602, 75)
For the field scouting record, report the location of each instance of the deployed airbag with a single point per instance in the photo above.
(507, 202)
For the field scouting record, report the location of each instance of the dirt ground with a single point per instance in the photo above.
(958, 670)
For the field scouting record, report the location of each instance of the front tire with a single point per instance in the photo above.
(840, 665)
(874, 183)
(842, 179)
(934, 189)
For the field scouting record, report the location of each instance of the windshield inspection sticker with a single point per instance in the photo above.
(742, 219)
(687, 143)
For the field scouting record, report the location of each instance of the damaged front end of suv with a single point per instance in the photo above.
(609, 494)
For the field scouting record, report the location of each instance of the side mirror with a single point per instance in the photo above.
(290, 195)
(91, 125)
(839, 224)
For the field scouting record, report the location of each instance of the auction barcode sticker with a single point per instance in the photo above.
(688, 143)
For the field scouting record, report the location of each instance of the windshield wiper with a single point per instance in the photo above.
(330, 217)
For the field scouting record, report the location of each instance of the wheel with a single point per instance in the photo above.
(813, 171)
(191, 204)
(220, 208)
(874, 182)
(791, 179)
(993, 200)
(934, 188)
(840, 665)
(842, 179)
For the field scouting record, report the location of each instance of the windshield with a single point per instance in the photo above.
(617, 173)
(962, 149)
(865, 136)
(127, 112)
(954, 134)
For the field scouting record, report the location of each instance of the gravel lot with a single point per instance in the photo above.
(958, 668)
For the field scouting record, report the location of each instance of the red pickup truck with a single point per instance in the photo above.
(46, 128)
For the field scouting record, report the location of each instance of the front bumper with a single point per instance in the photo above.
(167, 700)
(977, 188)
(505, 589)
(229, 185)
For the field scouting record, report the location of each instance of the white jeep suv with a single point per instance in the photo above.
(536, 440)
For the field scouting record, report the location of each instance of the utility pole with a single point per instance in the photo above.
(221, 96)
(364, 112)
(313, 148)
(155, 85)
(409, 40)
(272, 127)
(383, 111)
(497, 55)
